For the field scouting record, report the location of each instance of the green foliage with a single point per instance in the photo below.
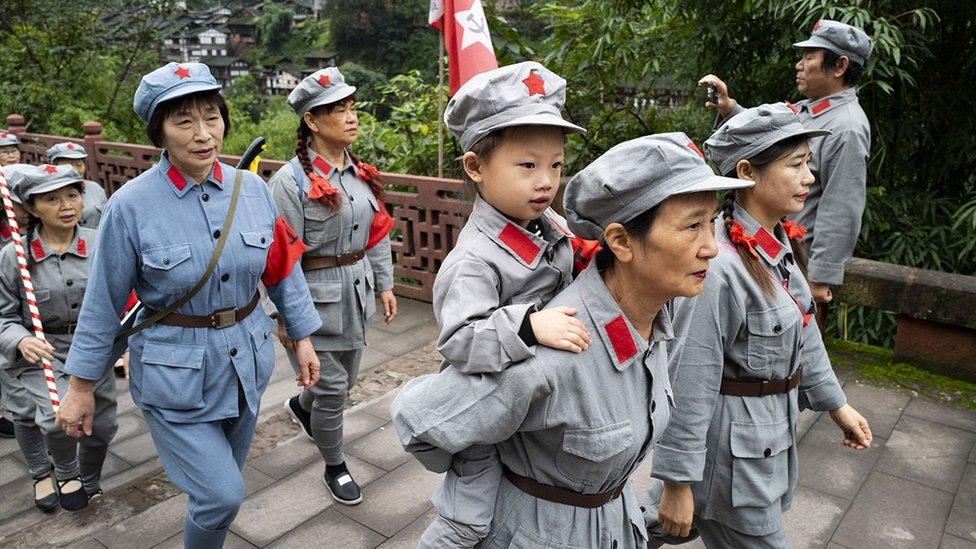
(274, 27)
(390, 37)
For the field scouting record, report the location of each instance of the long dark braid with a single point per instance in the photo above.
(332, 202)
(33, 223)
(756, 271)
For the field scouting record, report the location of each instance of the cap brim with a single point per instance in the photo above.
(541, 119)
(817, 42)
(53, 186)
(74, 155)
(715, 183)
(180, 91)
(338, 94)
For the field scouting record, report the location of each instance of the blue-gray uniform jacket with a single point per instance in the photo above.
(343, 295)
(496, 274)
(157, 235)
(740, 452)
(832, 212)
(581, 422)
(59, 285)
(95, 199)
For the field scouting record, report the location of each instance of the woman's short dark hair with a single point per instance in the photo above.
(187, 102)
(854, 69)
(637, 227)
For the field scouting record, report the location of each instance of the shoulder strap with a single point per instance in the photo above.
(299, 174)
(206, 275)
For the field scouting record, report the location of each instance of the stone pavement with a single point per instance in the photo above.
(915, 488)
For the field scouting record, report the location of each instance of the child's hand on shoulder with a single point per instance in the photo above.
(556, 328)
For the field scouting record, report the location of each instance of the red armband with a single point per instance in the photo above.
(380, 227)
(286, 249)
(130, 303)
(583, 252)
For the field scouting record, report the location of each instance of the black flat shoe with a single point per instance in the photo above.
(72, 494)
(45, 494)
(299, 416)
(6, 428)
(343, 488)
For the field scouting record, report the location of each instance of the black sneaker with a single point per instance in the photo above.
(6, 428)
(299, 416)
(343, 488)
(45, 494)
(72, 494)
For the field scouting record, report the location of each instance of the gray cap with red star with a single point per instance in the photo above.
(66, 150)
(8, 139)
(322, 87)
(169, 82)
(840, 38)
(522, 94)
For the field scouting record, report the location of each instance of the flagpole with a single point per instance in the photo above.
(440, 107)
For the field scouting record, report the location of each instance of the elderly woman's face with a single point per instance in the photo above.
(193, 136)
(9, 155)
(77, 163)
(674, 258)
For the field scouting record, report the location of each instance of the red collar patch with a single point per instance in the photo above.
(692, 146)
(767, 243)
(176, 178)
(38, 250)
(518, 242)
(322, 165)
(217, 174)
(81, 247)
(793, 108)
(620, 339)
(820, 107)
(534, 84)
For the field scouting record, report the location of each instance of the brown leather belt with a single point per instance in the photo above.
(313, 263)
(758, 388)
(559, 495)
(67, 329)
(219, 319)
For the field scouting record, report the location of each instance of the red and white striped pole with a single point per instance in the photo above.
(8, 206)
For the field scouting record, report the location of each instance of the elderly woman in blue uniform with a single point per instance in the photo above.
(571, 428)
(199, 372)
(58, 257)
(74, 155)
(333, 201)
(755, 357)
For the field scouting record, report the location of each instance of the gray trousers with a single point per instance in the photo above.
(30, 438)
(70, 460)
(326, 400)
(465, 501)
(716, 535)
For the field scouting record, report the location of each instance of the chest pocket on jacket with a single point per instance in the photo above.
(771, 338)
(592, 456)
(168, 268)
(322, 225)
(256, 243)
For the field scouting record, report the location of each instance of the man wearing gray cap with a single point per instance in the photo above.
(571, 428)
(834, 57)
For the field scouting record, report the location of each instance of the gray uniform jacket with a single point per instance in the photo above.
(343, 295)
(95, 199)
(833, 210)
(59, 286)
(581, 422)
(739, 452)
(496, 274)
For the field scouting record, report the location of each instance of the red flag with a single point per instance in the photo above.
(466, 38)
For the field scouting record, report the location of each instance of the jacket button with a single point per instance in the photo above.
(767, 452)
(352, 199)
(263, 240)
(62, 257)
(74, 305)
(205, 197)
(233, 352)
(356, 282)
(165, 262)
(777, 328)
(69, 283)
(355, 227)
(225, 277)
(216, 233)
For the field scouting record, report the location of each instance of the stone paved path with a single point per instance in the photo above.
(915, 488)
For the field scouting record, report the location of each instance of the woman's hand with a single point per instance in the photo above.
(857, 432)
(556, 328)
(389, 305)
(676, 509)
(308, 361)
(821, 292)
(286, 342)
(725, 103)
(77, 409)
(34, 349)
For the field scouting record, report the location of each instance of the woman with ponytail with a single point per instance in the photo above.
(335, 204)
(728, 458)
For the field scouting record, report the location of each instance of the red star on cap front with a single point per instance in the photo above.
(816, 25)
(324, 80)
(4, 135)
(534, 84)
(71, 146)
(692, 146)
(182, 72)
(50, 169)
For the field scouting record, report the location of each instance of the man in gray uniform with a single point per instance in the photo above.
(834, 57)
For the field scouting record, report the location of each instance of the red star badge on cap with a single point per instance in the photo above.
(50, 169)
(692, 146)
(535, 85)
(324, 80)
(182, 72)
(816, 25)
(4, 135)
(71, 146)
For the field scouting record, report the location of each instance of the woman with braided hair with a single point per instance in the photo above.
(728, 458)
(334, 203)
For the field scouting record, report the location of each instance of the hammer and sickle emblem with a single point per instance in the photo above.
(474, 24)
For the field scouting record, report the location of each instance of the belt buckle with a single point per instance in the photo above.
(223, 318)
